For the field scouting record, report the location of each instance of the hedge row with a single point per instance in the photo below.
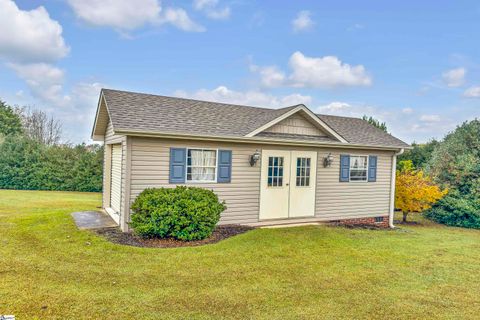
(26, 164)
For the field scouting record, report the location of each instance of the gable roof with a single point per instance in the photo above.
(309, 114)
(139, 113)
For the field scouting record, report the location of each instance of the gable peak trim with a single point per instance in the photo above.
(312, 116)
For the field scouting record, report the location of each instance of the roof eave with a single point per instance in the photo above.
(97, 113)
(169, 135)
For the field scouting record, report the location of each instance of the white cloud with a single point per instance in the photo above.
(454, 77)
(407, 110)
(335, 108)
(119, 14)
(326, 71)
(270, 76)
(302, 21)
(211, 9)
(472, 92)
(81, 112)
(311, 72)
(30, 47)
(252, 98)
(127, 15)
(29, 36)
(180, 19)
(430, 118)
(44, 81)
(340, 108)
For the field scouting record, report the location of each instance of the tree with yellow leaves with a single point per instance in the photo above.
(415, 192)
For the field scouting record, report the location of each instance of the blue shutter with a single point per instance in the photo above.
(372, 168)
(224, 174)
(344, 168)
(177, 165)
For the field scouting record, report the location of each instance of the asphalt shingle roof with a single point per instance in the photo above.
(358, 131)
(131, 111)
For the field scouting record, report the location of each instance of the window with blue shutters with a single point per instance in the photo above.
(200, 165)
(355, 168)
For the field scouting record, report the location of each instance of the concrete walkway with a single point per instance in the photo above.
(93, 220)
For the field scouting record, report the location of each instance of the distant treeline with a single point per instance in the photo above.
(34, 157)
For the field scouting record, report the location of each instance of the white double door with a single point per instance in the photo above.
(287, 188)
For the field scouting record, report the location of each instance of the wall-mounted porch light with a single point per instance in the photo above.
(254, 158)
(328, 160)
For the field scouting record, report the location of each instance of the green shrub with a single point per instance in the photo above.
(455, 210)
(184, 213)
(27, 164)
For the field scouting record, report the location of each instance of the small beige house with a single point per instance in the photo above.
(270, 166)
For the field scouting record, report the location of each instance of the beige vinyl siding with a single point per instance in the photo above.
(150, 168)
(111, 139)
(340, 200)
(296, 124)
(334, 200)
(116, 186)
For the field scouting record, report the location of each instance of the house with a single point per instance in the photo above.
(271, 166)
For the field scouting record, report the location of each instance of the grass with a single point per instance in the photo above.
(50, 270)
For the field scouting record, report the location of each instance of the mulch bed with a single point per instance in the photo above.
(222, 232)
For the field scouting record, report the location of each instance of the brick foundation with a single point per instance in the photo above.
(365, 221)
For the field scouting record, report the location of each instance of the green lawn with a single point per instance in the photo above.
(50, 270)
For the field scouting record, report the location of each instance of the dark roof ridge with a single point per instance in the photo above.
(205, 101)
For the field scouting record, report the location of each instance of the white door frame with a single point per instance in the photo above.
(288, 200)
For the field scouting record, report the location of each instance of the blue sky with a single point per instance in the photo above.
(413, 64)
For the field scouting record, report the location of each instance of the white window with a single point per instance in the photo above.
(358, 168)
(303, 172)
(275, 171)
(201, 165)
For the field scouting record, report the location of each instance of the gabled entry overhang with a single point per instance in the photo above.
(301, 109)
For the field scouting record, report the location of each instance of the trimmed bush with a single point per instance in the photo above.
(453, 210)
(183, 213)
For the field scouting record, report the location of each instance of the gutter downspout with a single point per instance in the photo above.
(392, 187)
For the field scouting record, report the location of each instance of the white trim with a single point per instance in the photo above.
(392, 187)
(301, 107)
(350, 168)
(256, 140)
(284, 184)
(186, 166)
(309, 176)
(102, 98)
(115, 216)
(96, 115)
